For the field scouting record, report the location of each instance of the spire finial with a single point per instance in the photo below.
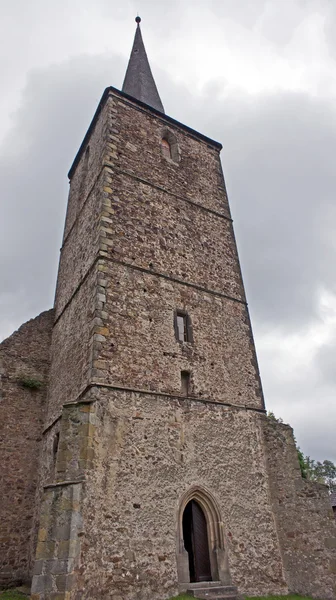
(138, 20)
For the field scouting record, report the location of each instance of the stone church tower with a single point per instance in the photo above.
(159, 468)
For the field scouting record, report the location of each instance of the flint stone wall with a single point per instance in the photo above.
(72, 348)
(138, 348)
(137, 140)
(24, 355)
(147, 452)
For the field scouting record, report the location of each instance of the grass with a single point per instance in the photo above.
(183, 597)
(290, 597)
(15, 595)
(12, 595)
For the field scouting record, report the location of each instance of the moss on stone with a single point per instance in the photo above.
(30, 383)
(12, 595)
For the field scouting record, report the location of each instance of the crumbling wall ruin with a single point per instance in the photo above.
(24, 370)
(302, 510)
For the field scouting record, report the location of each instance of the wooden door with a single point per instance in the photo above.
(201, 544)
(196, 542)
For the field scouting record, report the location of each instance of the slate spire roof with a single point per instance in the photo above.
(139, 81)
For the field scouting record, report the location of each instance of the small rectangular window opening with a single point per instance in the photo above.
(185, 383)
(165, 146)
(182, 329)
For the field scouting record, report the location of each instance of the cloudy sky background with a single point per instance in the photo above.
(257, 75)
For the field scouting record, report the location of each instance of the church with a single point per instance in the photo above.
(138, 461)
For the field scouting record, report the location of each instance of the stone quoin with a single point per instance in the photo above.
(137, 457)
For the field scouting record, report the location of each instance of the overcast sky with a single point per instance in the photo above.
(257, 75)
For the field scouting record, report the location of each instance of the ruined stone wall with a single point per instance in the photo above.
(24, 356)
(147, 451)
(305, 523)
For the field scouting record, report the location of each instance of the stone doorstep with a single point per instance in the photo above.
(208, 597)
(210, 584)
(209, 590)
(207, 594)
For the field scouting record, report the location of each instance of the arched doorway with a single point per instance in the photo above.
(196, 543)
(201, 554)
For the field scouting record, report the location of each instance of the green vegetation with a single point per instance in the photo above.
(15, 595)
(30, 382)
(12, 595)
(321, 472)
(290, 597)
(183, 597)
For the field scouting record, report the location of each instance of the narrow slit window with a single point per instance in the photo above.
(169, 146)
(165, 146)
(83, 182)
(183, 330)
(55, 446)
(185, 383)
(182, 327)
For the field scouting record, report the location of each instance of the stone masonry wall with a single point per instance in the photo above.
(145, 236)
(172, 217)
(59, 536)
(79, 250)
(137, 139)
(147, 452)
(24, 355)
(156, 230)
(305, 523)
(77, 282)
(136, 208)
(87, 170)
(167, 243)
(138, 348)
(72, 348)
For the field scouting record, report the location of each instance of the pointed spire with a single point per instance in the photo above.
(139, 81)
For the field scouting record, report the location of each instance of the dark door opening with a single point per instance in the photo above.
(195, 536)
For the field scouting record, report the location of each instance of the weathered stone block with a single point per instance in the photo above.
(41, 584)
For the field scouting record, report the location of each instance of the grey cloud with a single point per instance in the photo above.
(325, 362)
(57, 106)
(304, 396)
(279, 167)
(245, 13)
(311, 411)
(278, 160)
(314, 425)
